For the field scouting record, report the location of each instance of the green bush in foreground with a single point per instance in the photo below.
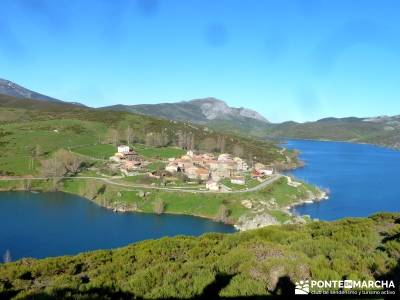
(249, 263)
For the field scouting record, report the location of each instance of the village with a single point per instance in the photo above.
(221, 172)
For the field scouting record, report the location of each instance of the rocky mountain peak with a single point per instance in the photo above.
(213, 108)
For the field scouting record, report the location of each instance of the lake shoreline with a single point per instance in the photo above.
(354, 173)
(284, 141)
(119, 206)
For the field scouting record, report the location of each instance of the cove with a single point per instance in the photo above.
(53, 224)
(362, 179)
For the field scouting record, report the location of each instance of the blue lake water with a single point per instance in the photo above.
(362, 179)
(52, 224)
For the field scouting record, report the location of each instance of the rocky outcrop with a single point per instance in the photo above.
(248, 222)
(217, 109)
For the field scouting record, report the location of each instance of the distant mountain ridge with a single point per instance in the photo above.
(216, 114)
(382, 130)
(12, 89)
(196, 111)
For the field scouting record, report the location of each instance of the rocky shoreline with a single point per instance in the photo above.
(249, 222)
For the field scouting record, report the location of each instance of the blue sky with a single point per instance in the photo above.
(288, 59)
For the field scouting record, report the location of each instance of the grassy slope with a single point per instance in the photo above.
(250, 263)
(24, 124)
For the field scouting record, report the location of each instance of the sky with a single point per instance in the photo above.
(296, 60)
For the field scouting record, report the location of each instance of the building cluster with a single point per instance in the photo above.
(127, 159)
(212, 169)
(206, 167)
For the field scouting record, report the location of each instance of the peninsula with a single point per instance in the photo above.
(129, 162)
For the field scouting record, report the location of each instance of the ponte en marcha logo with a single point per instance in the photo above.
(345, 287)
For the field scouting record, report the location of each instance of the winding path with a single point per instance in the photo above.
(110, 181)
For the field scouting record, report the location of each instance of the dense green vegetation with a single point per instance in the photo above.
(261, 262)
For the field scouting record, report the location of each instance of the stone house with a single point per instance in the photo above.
(212, 185)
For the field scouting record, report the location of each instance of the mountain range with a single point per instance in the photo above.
(216, 114)
(199, 111)
(210, 111)
(10, 88)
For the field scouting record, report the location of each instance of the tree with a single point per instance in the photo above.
(7, 256)
(27, 184)
(181, 139)
(112, 136)
(159, 207)
(223, 213)
(63, 162)
(52, 168)
(149, 139)
(221, 144)
(209, 144)
(130, 138)
(91, 190)
(237, 150)
(38, 151)
(191, 142)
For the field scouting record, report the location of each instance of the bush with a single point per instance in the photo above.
(159, 207)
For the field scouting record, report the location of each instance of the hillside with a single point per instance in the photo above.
(9, 88)
(383, 131)
(267, 261)
(209, 111)
(26, 123)
(217, 115)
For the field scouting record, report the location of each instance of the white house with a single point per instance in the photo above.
(224, 157)
(173, 168)
(238, 180)
(123, 149)
(266, 171)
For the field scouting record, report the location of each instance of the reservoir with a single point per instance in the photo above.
(53, 224)
(362, 179)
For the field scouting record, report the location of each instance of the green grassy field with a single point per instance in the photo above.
(250, 183)
(158, 152)
(37, 140)
(155, 166)
(100, 151)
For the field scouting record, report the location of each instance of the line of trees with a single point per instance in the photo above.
(185, 139)
(62, 163)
